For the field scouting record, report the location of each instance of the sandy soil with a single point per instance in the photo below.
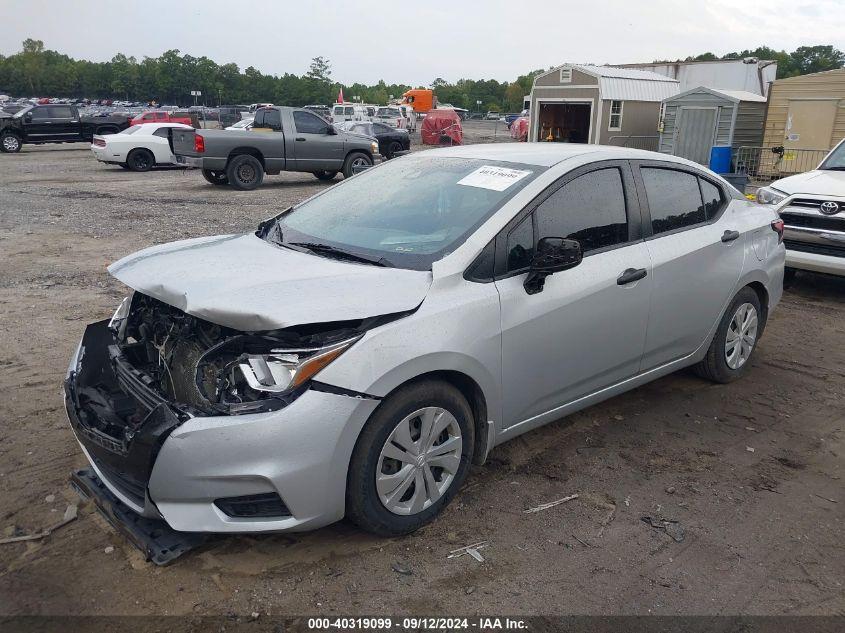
(752, 471)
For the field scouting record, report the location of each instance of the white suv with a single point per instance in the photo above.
(812, 207)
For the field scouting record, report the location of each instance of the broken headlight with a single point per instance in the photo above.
(250, 372)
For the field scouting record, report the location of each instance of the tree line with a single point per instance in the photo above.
(170, 78)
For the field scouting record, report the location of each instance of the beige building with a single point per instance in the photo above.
(807, 112)
(598, 104)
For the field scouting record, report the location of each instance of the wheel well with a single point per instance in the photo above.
(358, 151)
(477, 404)
(763, 296)
(239, 151)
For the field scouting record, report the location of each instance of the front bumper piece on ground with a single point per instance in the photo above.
(158, 541)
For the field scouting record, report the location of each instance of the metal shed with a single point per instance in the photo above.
(696, 120)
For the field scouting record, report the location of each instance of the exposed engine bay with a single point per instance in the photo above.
(210, 369)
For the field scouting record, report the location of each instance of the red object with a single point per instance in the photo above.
(340, 95)
(777, 227)
(43, 101)
(199, 144)
(519, 129)
(442, 127)
(162, 116)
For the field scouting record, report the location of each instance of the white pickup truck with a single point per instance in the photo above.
(812, 207)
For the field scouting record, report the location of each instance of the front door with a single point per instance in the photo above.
(695, 271)
(585, 330)
(314, 147)
(696, 132)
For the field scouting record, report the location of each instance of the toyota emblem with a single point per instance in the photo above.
(829, 208)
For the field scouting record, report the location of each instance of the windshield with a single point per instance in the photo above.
(388, 112)
(836, 159)
(19, 114)
(408, 212)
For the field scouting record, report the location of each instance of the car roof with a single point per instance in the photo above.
(151, 126)
(548, 154)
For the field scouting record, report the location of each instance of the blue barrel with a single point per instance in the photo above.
(720, 159)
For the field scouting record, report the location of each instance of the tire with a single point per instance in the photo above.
(10, 143)
(364, 503)
(140, 160)
(215, 177)
(325, 175)
(245, 172)
(720, 366)
(393, 148)
(789, 276)
(353, 160)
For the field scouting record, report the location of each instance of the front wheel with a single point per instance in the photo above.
(215, 177)
(355, 160)
(735, 340)
(140, 160)
(10, 143)
(245, 172)
(411, 458)
(325, 175)
(393, 148)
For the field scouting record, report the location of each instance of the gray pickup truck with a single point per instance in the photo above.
(281, 139)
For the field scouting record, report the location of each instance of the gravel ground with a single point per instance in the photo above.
(750, 471)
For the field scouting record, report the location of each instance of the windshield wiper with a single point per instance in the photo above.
(834, 168)
(325, 249)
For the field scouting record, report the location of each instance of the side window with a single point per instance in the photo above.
(712, 198)
(674, 199)
(148, 117)
(60, 112)
(162, 132)
(272, 120)
(338, 111)
(349, 110)
(308, 123)
(520, 245)
(258, 120)
(590, 209)
(381, 128)
(40, 113)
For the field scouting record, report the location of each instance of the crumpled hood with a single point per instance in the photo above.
(820, 182)
(243, 282)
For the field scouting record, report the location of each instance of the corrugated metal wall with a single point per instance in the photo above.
(750, 123)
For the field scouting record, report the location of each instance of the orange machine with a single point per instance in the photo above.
(420, 99)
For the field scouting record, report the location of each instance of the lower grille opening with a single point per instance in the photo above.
(134, 490)
(818, 249)
(264, 505)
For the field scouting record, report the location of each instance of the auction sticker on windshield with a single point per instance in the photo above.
(492, 177)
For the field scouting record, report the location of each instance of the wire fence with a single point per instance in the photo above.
(771, 163)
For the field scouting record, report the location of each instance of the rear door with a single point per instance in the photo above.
(314, 148)
(585, 330)
(697, 254)
(696, 133)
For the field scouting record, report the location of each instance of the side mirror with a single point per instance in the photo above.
(553, 254)
(28, 117)
(331, 131)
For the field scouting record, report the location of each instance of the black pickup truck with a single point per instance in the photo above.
(56, 123)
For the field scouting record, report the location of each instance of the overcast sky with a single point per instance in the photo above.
(414, 41)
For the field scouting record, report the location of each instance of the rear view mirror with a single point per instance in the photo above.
(553, 254)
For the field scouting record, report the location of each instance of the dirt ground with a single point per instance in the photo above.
(752, 471)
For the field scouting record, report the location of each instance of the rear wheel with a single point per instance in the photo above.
(411, 458)
(325, 175)
(215, 177)
(10, 143)
(353, 161)
(245, 172)
(736, 339)
(140, 160)
(393, 148)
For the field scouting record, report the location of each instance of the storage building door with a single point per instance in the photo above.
(809, 124)
(695, 133)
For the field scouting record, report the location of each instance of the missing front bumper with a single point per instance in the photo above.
(160, 543)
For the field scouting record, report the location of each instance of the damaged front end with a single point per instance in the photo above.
(152, 367)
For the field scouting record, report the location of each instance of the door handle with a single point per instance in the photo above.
(730, 236)
(630, 275)
(300, 138)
